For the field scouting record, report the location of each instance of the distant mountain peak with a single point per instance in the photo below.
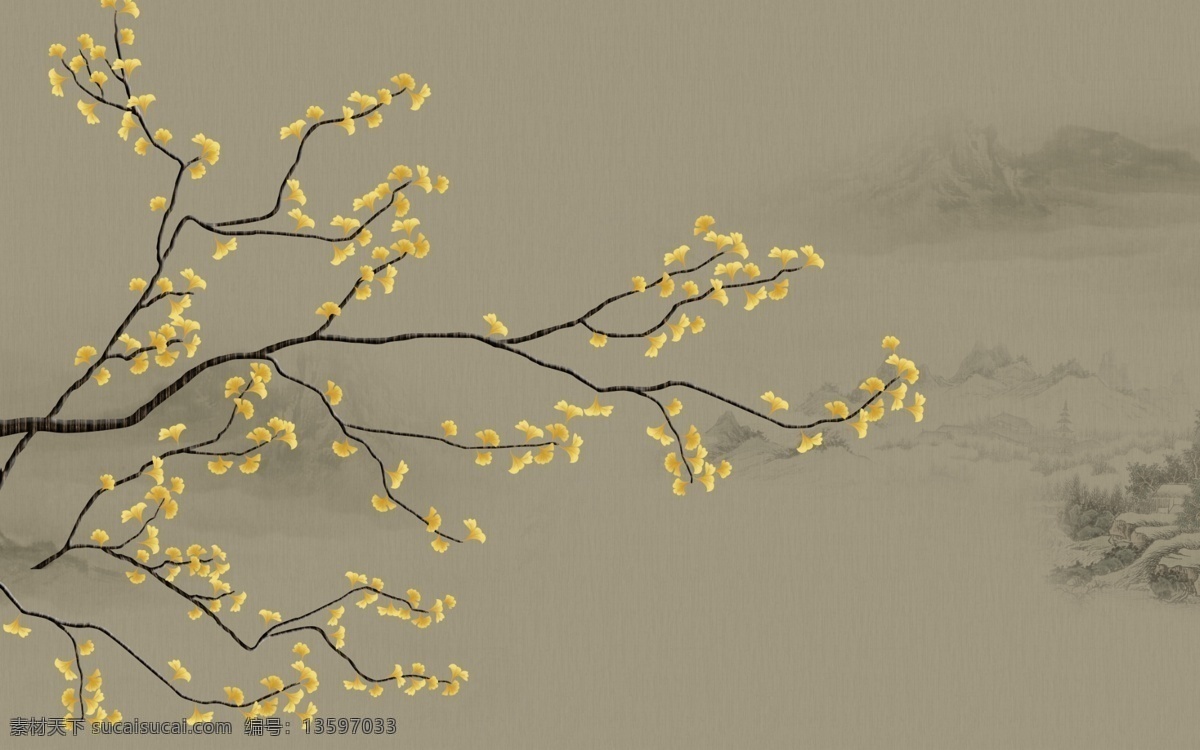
(991, 361)
(952, 171)
(1085, 158)
(951, 174)
(727, 433)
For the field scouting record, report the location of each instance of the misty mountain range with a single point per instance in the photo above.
(989, 382)
(957, 175)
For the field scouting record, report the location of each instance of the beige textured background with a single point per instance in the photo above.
(846, 603)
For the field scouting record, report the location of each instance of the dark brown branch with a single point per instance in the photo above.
(64, 625)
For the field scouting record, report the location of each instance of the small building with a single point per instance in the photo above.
(1010, 423)
(1170, 497)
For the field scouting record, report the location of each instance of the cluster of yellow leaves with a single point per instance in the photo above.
(175, 331)
(734, 243)
(418, 680)
(409, 611)
(701, 470)
(306, 680)
(276, 429)
(368, 108)
(91, 694)
(551, 438)
(433, 522)
(875, 389)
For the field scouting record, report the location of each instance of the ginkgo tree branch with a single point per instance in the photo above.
(123, 480)
(263, 361)
(76, 426)
(582, 319)
(346, 431)
(66, 626)
(296, 163)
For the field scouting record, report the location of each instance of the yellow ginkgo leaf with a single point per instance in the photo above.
(775, 402)
(861, 425)
(419, 97)
(660, 434)
(341, 253)
(224, 248)
(134, 513)
(198, 716)
(99, 536)
(783, 254)
(251, 464)
(303, 221)
(728, 269)
(88, 110)
(397, 476)
(15, 628)
(596, 410)
(343, 449)
(871, 385)
(65, 666)
(570, 411)
(520, 462)
(813, 258)
(918, 407)
(679, 255)
(572, 450)
(529, 430)
(291, 130)
(433, 521)
(56, 82)
(127, 65)
(598, 340)
(474, 532)
(496, 327)
(656, 343)
(382, 504)
(838, 409)
(753, 298)
(181, 673)
(808, 443)
(703, 224)
(422, 180)
(173, 432)
(329, 309)
(333, 392)
(449, 429)
(347, 121)
(718, 292)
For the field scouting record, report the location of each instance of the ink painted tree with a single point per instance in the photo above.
(129, 515)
